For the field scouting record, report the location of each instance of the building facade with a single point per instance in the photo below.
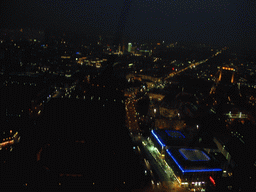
(193, 167)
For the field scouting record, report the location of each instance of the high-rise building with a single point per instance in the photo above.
(129, 47)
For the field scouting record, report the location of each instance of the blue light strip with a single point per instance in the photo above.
(175, 160)
(189, 171)
(168, 132)
(159, 141)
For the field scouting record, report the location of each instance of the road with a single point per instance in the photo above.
(14, 139)
(162, 176)
(192, 65)
(169, 182)
(131, 117)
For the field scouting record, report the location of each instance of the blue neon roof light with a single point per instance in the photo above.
(177, 133)
(187, 171)
(194, 155)
(159, 141)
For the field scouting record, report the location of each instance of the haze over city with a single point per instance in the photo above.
(221, 22)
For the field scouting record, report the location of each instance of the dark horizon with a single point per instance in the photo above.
(222, 23)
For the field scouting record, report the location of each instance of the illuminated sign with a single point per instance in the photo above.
(212, 180)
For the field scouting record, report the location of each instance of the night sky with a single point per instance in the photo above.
(220, 22)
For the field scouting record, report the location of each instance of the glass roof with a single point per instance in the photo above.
(194, 155)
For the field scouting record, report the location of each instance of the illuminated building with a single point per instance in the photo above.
(163, 138)
(129, 47)
(193, 167)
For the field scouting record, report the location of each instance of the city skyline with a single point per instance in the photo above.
(127, 95)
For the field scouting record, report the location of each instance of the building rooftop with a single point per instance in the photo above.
(192, 160)
(194, 155)
(174, 134)
(168, 137)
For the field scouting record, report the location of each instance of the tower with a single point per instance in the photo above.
(129, 47)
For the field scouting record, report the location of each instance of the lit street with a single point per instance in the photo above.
(167, 182)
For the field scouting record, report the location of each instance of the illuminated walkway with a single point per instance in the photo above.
(165, 173)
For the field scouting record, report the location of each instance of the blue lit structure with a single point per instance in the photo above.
(161, 142)
(175, 134)
(194, 155)
(192, 169)
(163, 138)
